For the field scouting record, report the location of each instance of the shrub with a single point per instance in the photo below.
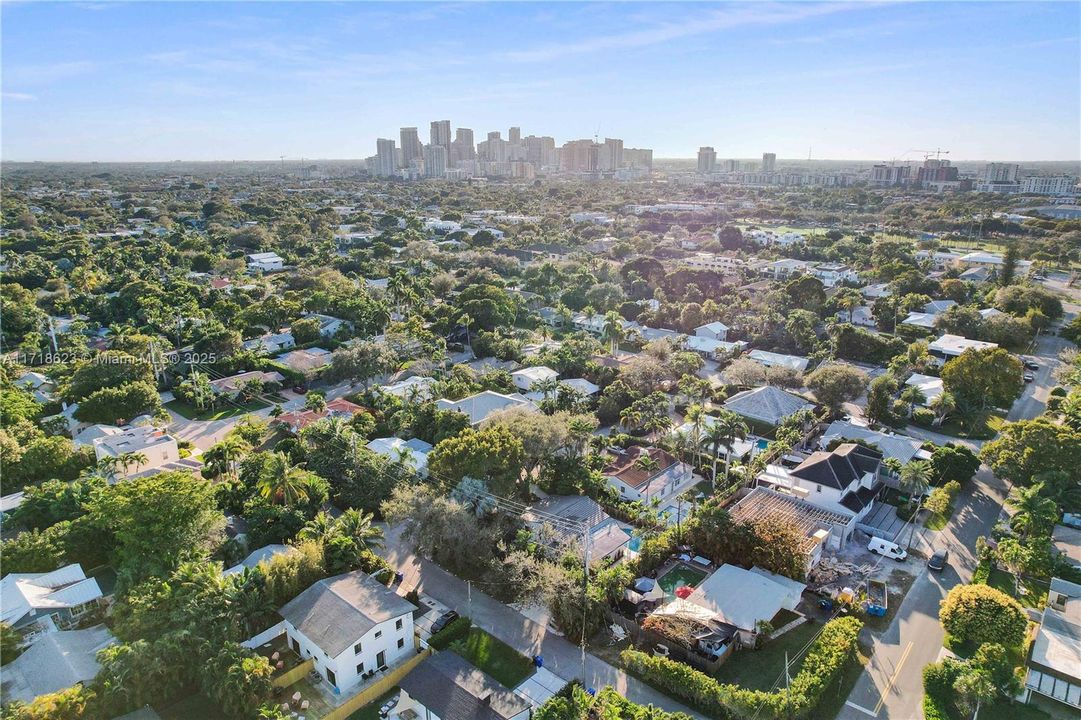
(824, 662)
(456, 630)
(976, 614)
(938, 680)
(924, 417)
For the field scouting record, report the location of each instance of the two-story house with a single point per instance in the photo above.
(640, 473)
(446, 687)
(38, 603)
(350, 625)
(1054, 662)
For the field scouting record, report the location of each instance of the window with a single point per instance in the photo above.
(818, 488)
(401, 643)
(378, 634)
(360, 668)
(398, 624)
(356, 649)
(331, 679)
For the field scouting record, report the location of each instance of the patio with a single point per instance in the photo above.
(304, 691)
(281, 656)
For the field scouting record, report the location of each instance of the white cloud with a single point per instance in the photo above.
(19, 97)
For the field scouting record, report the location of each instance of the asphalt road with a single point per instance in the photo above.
(891, 687)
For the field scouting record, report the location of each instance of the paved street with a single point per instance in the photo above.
(891, 688)
(527, 637)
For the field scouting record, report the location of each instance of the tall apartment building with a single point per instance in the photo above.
(731, 165)
(411, 146)
(440, 134)
(886, 175)
(494, 149)
(514, 137)
(936, 170)
(1049, 185)
(707, 159)
(610, 154)
(541, 151)
(578, 156)
(463, 147)
(386, 157)
(638, 158)
(435, 161)
(1000, 172)
(769, 162)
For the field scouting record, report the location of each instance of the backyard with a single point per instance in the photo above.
(680, 576)
(190, 412)
(1031, 593)
(494, 657)
(371, 710)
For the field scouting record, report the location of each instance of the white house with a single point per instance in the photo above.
(39, 603)
(57, 662)
(417, 388)
(526, 378)
(786, 268)
(1054, 663)
(902, 448)
(414, 451)
(929, 385)
(349, 625)
(444, 686)
(478, 407)
(261, 555)
(581, 386)
(265, 262)
(328, 325)
(159, 447)
(234, 384)
(664, 476)
(832, 274)
(772, 359)
(41, 387)
(271, 343)
(714, 331)
(949, 346)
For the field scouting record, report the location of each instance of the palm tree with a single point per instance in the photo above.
(916, 477)
(466, 321)
(322, 527)
(222, 458)
(613, 332)
(545, 387)
(316, 402)
(579, 430)
(130, 460)
(1034, 511)
(943, 405)
(359, 526)
(646, 463)
(913, 396)
(631, 418)
(281, 481)
(694, 416)
(725, 428)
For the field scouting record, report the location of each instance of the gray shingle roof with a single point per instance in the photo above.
(336, 612)
(766, 403)
(838, 469)
(455, 690)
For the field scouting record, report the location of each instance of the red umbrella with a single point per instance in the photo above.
(684, 591)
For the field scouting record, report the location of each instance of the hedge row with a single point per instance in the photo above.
(938, 692)
(456, 630)
(823, 664)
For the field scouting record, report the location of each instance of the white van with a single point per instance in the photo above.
(880, 546)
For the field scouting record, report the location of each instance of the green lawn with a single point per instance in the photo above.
(1033, 593)
(371, 710)
(193, 706)
(983, 428)
(494, 657)
(1012, 711)
(758, 669)
(190, 412)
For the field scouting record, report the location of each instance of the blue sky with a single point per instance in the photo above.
(209, 80)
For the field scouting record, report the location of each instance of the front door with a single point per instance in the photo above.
(381, 659)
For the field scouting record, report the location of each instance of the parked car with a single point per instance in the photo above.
(1031, 365)
(938, 559)
(443, 620)
(1029, 377)
(881, 546)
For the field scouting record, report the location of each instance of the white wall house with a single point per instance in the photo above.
(349, 625)
(526, 378)
(713, 331)
(265, 262)
(159, 447)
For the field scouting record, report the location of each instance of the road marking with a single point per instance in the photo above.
(893, 678)
(862, 709)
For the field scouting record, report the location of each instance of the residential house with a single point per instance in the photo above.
(845, 481)
(766, 404)
(714, 331)
(744, 598)
(992, 262)
(833, 274)
(737, 449)
(413, 452)
(949, 346)
(414, 389)
(583, 387)
(349, 625)
(35, 604)
(444, 686)
(1054, 660)
(573, 516)
(526, 378)
(234, 385)
(58, 661)
(877, 290)
(640, 473)
(713, 349)
(772, 359)
(297, 420)
(39, 386)
(271, 343)
(714, 261)
(551, 317)
(478, 407)
(786, 268)
(330, 326)
(645, 334)
(899, 447)
(307, 362)
(265, 262)
(939, 259)
(261, 555)
(158, 447)
(820, 528)
(1066, 543)
(929, 385)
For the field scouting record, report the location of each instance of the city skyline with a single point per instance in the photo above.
(861, 81)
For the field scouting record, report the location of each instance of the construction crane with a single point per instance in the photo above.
(938, 153)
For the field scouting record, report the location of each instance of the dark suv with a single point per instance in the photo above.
(443, 620)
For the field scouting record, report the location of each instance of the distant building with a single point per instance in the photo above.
(265, 262)
(411, 146)
(435, 161)
(440, 134)
(386, 157)
(1049, 185)
(707, 159)
(769, 162)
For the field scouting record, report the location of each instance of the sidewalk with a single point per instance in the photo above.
(560, 656)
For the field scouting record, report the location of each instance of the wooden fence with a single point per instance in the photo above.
(378, 688)
(289, 677)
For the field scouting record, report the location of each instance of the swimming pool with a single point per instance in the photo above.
(679, 576)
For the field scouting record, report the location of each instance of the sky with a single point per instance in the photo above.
(258, 80)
